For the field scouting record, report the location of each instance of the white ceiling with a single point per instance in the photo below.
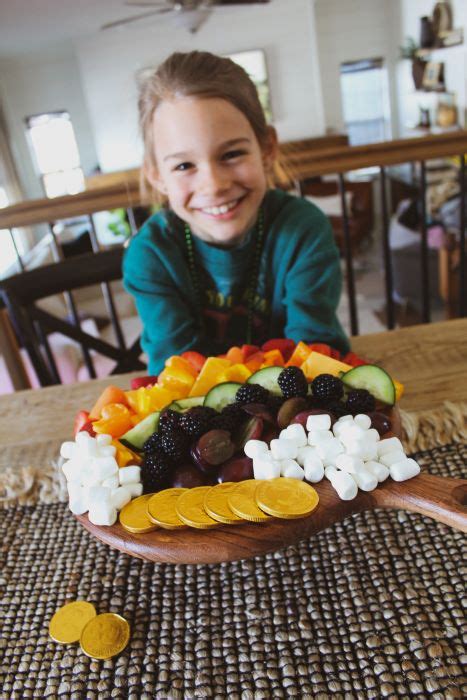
(33, 25)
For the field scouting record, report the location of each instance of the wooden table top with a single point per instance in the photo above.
(430, 360)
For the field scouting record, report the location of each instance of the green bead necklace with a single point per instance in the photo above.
(253, 274)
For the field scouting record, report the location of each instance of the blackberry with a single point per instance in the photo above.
(327, 388)
(175, 444)
(169, 420)
(337, 408)
(153, 443)
(360, 401)
(251, 393)
(197, 420)
(292, 382)
(156, 469)
(230, 418)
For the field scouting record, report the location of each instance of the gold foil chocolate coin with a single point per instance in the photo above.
(216, 504)
(242, 502)
(161, 509)
(134, 516)
(190, 508)
(105, 636)
(67, 623)
(286, 498)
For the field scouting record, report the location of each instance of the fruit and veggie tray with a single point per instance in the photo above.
(261, 446)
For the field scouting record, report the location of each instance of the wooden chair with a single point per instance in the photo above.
(32, 324)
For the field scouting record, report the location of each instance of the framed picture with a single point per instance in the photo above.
(254, 63)
(433, 76)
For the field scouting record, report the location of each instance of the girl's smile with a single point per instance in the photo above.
(211, 167)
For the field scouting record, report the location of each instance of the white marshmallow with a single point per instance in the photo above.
(405, 469)
(365, 480)
(363, 449)
(296, 432)
(72, 470)
(83, 438)
(348, 463)
(77, 495)
(103, 440)
(388, 458)
(120, 496)
(111, 482)
(373, 434)
(379, 470)
(304, 452)
(98, 495)
(255, 447)
(68, 449)
(291, 469)
(329, 450)
(319, 422)
(317, 437)
(341, 423)
(363, 420)
(103, 467)
(265, 467)
(102, 514)
(351, 432)
(128, 475)
(342, 482)
(107, 450)
(314, 469)
(389, 445)
(134, 489)
(283, 449)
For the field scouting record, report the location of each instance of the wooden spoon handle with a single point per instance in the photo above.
(438, 497)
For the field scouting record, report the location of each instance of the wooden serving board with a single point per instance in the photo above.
(440, 498)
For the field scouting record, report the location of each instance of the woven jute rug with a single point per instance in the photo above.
(369, 608)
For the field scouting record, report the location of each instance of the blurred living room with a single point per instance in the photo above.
(369, 101)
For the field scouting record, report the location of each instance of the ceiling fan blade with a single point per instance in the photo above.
(133, 18)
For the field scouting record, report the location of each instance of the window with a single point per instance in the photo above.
(56, 154)
(365, 101)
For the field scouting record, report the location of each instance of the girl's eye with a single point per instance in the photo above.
(181, 167)
(229, 155)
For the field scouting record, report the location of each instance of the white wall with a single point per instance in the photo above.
(38, 83)
(350, 30)
(284, 29)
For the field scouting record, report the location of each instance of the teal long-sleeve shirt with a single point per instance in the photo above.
(298, 285)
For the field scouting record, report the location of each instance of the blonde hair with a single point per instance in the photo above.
(201, 74)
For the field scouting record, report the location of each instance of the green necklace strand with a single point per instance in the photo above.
(253, 274)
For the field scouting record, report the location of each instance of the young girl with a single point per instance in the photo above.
(227, 261)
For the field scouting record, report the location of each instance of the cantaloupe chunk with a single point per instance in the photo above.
(299, 355)
(322, 364)
(209, 375)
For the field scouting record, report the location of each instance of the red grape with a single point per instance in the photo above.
(187, 476)
(236, 469)
(380, 422)
(289, 409)
(215, 447)
(251, 430)
(259, 410)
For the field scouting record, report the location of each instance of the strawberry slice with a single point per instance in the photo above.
(352, 359)
(249, 350)
(196, 359)
(286, 346)
(148, 380)
(83, 424)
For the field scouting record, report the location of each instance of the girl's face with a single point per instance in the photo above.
(210, 166)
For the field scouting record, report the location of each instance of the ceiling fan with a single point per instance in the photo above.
(197, 11)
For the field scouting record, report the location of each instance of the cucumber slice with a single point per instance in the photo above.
(174, 406)
(374, 379)
(267, 378)
(137, 436)
(221, 395)
(190, 402)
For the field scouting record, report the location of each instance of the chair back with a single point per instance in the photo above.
(32, 324)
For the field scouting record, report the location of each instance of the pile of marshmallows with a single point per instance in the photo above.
(95, 482)
(351, 455)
